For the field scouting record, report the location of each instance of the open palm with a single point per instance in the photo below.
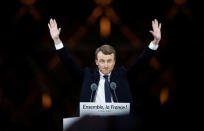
(156, 32)
(54, 30)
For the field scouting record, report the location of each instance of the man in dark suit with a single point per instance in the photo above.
(96, 81)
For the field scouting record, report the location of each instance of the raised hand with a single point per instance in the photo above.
(54, 31)
(156, 32)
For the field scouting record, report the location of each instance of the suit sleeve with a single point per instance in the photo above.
(141, 61)
(71, 66)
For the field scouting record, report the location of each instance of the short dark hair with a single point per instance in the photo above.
(105, 49)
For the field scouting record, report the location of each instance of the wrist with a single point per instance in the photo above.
(57, 41)
(155, 42)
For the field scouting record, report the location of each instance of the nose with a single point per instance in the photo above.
(106, 64)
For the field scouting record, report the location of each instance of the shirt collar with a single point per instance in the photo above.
(101, 74)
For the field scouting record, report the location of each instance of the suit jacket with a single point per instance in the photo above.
(120, 75)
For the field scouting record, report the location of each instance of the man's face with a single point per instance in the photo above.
(105, 63)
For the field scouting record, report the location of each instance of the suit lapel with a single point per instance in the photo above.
(114, 78)
(95, 78)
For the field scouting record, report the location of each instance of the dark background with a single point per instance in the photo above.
(30, 72)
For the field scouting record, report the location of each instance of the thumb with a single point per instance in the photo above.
(59, 30)
(151, 32)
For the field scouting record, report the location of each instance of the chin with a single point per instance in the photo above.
(106, 73)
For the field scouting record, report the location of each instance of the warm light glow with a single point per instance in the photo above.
(131, 36)
(105, 27)
(28, 5)
(112, 15)
(95, 14)
(28, 2)
(103, 2)
(53, 62)
(155, 63)
(46, 101)
(164, 95)
(180, 2)
(77, 36)
(179, 6)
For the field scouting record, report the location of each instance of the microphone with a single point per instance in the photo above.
(113, 87)
(93, 88)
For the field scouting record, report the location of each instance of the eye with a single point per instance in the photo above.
(101, 61)
(109, 60)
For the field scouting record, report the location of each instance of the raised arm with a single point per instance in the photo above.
(72, 67)
(146, 55)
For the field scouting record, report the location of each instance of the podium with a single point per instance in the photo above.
(67, 122)
(97, 109)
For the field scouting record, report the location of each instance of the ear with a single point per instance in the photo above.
(96, 61)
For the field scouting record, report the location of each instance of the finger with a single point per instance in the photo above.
(156, 23)
(153, 24)
(55, 21)
(151, 32)
(54, 24)
(49, 25)
(51, 21)
(160, 26)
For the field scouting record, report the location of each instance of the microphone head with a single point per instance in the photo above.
(113, 85)
(93, 86)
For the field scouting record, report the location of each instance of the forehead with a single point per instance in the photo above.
(100, 55)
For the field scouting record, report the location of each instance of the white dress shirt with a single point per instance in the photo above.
(100, 92)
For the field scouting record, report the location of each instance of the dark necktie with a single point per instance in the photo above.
(107, 89)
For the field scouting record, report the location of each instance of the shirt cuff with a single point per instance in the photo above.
(59, 46)
(153, 46)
